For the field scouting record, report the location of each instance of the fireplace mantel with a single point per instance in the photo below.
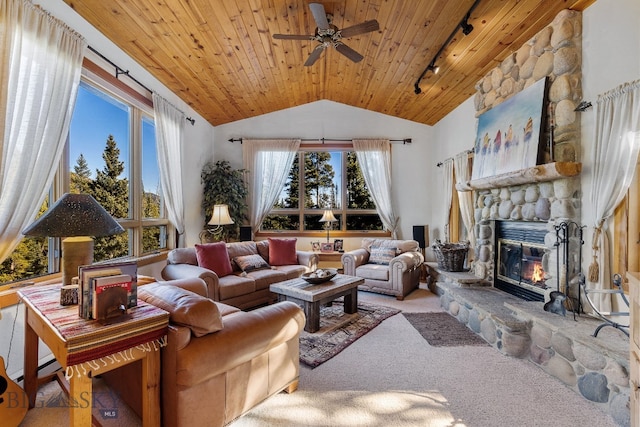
(539, 173)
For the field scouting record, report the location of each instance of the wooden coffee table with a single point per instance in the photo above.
(313, 296)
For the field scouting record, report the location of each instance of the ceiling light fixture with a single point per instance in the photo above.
(466, 29)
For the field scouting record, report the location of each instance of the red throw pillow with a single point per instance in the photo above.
(282, 252)
(215, 257)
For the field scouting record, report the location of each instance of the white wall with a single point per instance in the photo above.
(327, 119)
(611, 57)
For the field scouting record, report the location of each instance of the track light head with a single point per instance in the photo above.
(466, 27)
(434, 68)
(417, 89)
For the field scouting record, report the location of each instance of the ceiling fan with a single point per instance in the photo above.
(328, 34)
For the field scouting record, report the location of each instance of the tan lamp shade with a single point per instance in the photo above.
(220, 215)
(328, 216)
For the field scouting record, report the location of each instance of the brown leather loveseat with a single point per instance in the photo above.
(219, 361)
(235, 283)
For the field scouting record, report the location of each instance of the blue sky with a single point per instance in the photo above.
(96, 116)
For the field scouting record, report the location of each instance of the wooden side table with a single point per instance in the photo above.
(330, 259)
(85, 348)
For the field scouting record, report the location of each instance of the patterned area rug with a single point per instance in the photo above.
(338, 330)
(443, 330)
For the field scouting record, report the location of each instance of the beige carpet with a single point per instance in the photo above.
(392, 377)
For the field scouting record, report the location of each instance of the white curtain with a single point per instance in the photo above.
(41, 62)
(465, 198)
(615, 153)
(268, 162)
(374, 157)
(447, 187)
(169, 138)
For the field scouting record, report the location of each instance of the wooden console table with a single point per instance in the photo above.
(85, 348)
(330, 259)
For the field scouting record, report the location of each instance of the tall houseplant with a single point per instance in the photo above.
(224, 185)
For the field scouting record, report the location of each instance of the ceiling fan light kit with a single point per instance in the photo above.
(328, 35)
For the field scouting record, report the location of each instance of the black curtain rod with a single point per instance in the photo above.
(120, 70)
(322, 140)
(432, 64)
(442, 163)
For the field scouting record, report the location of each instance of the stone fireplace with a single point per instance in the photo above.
(517, 217)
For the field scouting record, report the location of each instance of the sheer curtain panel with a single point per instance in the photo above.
(615, 153)
(268, 162)
(463, 173)
(374, 157)
(169, 137)
(39, 77)
(447, 187)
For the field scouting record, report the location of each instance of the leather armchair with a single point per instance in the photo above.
(219, 361)
(397, 276)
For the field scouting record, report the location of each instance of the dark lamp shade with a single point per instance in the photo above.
(74, 215)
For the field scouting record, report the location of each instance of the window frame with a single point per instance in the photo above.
(141, 106)
(341, 213)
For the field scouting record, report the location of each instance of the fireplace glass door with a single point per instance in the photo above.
(519, 268)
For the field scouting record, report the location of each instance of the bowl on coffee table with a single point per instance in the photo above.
(321, 275)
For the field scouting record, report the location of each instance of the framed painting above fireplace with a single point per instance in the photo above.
(508, 135)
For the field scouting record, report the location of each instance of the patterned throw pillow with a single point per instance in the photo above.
(382, 255)
(248, 263)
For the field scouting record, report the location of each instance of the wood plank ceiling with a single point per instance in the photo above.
(220, 57)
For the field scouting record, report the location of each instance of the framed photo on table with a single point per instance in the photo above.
(326, 247)
(337, 245)
(315, 246)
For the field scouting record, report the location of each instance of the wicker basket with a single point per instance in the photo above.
(451, 256)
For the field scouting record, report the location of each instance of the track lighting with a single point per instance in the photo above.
(466, 27)
(433, 68)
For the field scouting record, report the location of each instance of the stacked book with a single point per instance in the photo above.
(107, 291)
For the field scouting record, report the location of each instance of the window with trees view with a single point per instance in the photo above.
(326, 180)
(111, 155)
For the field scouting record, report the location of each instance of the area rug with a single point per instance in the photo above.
(338, 330)
(443, 330)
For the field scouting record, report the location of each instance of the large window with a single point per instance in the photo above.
(326, 180)
(111, 154)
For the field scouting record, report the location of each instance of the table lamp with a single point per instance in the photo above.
(78, 218)
(328, 218)
(219, 217)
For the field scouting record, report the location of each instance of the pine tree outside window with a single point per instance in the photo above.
(111, 155)
(328, 180)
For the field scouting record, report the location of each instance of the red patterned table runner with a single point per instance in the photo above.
(88, 340)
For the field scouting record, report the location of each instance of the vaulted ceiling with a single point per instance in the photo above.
(221, 59)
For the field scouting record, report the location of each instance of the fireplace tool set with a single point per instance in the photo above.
(565, 231)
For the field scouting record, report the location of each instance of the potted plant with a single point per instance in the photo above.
(224, 185)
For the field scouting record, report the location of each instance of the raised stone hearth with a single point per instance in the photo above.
(596, 368)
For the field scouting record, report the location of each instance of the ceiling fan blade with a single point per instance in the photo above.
(362, 28)
(320, 16)
(348, 52)
(314, 56)
(292, 37)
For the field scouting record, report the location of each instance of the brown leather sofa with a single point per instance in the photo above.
(243, 290)
(219, 361)
(398, 274)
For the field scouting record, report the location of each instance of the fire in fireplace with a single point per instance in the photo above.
(519, 267)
